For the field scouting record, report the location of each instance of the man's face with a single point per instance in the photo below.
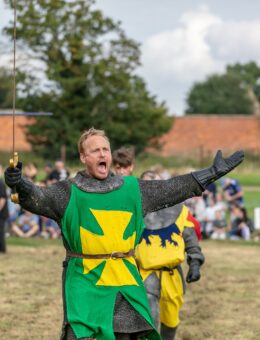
(96, 157)
(123, 170)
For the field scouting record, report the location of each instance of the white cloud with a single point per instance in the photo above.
(201, 44)
(184, 51)
(235, 41)
(198, 44)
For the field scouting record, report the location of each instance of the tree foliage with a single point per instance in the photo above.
(6, 89)
(91, 71)
(235, 92)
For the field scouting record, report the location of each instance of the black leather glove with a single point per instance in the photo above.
(221, 166)
(194, 272)
(13, 176)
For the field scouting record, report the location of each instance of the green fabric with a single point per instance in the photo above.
(102, 223)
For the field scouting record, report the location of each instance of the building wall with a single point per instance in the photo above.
(196, 136)
(6, 133)
(202, 135)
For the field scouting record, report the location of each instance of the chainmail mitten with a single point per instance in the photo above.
(221, 166)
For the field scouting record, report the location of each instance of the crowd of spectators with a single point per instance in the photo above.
(220, 211)
(24, 224)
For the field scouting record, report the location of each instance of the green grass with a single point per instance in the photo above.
(32, 242)
(247, 179)
(228, 243)
(252, 200)
(39, 242)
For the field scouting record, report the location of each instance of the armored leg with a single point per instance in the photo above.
(69, 335)
(168, 333)
(152, 285)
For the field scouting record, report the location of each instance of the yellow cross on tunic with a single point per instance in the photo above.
(113, 224)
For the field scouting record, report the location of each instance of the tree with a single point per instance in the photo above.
(91, 68)
(6, 89)
(250, 76)
(235, 92)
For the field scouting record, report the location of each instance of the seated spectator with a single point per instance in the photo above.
(59, 173)
(232, 191)
(3, 216)
(219, 226)
(197, 207)
(221, 204)
(27, 225)
(48, 170)
(209, 217)
(211, 191)
(241, 226)
(14, 211)
(51, 229)
(30, 171)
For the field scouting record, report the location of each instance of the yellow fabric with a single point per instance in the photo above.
(171, 298)
(156, 256)
(115, 272)
(183, 220)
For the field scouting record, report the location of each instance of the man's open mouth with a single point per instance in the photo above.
(102, 166)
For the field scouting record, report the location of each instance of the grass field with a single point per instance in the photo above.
(224, 304)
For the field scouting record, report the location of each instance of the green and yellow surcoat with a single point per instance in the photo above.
(103, 223)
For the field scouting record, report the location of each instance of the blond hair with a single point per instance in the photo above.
(89, 133)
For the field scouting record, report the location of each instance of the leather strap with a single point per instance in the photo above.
(115, 255)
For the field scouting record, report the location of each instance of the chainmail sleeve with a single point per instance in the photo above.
(159, 194)
(192, 247)
(45, 201)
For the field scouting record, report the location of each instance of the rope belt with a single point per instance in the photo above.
(114, 255)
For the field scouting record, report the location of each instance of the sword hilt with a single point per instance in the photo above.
(13, 163)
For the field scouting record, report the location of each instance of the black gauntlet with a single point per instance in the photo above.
(13, 176)
(194, 271)
(221, 166)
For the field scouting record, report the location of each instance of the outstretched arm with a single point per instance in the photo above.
(161, 194)
(157, 195)
(50, 201)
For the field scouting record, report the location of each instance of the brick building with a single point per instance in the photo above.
(201, 135)
(190, 135)
(6, 133)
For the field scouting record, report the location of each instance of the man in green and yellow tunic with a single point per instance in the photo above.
(109, 223)
(100, 216)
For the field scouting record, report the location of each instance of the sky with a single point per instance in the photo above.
(183, 42)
